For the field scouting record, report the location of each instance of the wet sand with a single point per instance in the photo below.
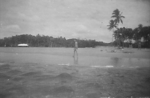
(37, 80)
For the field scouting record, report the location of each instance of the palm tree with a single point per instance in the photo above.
(119, 35)
(129, 35)
(111, 26)
(139, 35)
(117, 15)
(140, 26)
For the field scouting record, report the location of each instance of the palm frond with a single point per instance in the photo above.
(111, 24)
(114, 16)
(121, 20)
(122, 16)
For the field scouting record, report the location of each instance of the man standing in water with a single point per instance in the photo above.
(75, 48)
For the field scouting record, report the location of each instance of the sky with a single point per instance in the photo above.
(84, 19)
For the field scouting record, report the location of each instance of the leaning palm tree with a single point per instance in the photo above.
(111, 26)
(117, 15)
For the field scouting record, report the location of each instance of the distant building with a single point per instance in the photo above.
(23, 45)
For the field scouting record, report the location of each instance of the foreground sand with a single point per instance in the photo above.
(49, 81)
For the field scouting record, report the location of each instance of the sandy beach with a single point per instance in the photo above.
(28, 79)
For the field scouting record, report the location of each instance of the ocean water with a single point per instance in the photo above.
(86, 56)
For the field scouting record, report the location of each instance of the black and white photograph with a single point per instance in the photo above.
(74, 48)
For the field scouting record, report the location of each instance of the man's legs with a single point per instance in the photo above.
(75, 53)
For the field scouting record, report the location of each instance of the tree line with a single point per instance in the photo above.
(138, 37)
(125, 37)
(47, 41)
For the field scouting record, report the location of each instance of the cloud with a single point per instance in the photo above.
(29, 17)
(12, 27)
(9, 30)
(69, 18)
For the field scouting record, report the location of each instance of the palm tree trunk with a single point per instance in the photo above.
(118, 40)
(112, 38)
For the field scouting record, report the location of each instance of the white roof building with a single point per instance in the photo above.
(23, 45)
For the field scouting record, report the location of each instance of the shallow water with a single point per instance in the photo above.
(86, 56)
(54, 73)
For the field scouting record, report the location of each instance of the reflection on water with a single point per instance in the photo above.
(129, 62)
(75, 60)
(115, 61)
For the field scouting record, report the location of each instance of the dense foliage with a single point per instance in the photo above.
(138, 37)
(125, 37)
(46, 41)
